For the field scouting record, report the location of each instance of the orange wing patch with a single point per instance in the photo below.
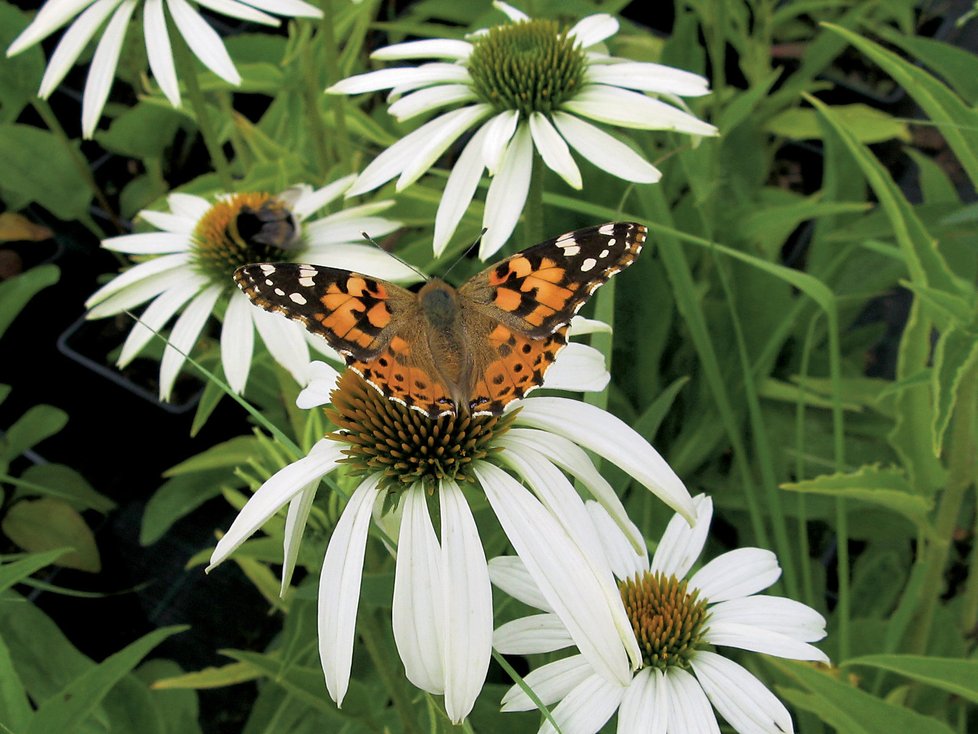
(520, 368)
(395, 375)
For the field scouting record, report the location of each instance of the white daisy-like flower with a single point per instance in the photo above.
(527, 86)
(442, 605)
(202, 40)
(186, 268)
(675, 621)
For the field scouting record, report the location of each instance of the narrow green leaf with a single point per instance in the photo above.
(945, 305)
(953, 675)
(226, 675)
(226, 455)
(15, 706)
(957, 66)
(954, 359)
(305, 683)
(47, 524)
(35, 425)
(17, 291)
(178, 709)
(647, 424)
(16, 571)
(787, 393)
(66, 710)
(178, 497)
(867, 124)
(63, 482)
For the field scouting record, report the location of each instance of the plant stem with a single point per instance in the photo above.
(372, 634)
(326, 29)
(533, 212)
(312, 92)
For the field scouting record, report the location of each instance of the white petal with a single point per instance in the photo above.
(203, 40)
(237, 341)
(188, 206)
(372, 81)
(417, 614)
(365, 259)
(146, 281)
(291, 8)
(572, 459)
(772, 613)
(649, 78)
(736, 573)
(749, 637)
(533, 634)
(509, 574)
(550, 683)
(295, 523)
(183, 337)
(459, 190)
(681, 544)
(559, 570)
(507, 193)
(102, 69)
(499, 131)
(606, 152)
(285, 341)
(621, 554)
(339, 588)
(275, 492)
(158, 50)
(309, 203)
(429, 48)
(52, 15)
(747, 705)
(451, 126)
(238, 10)
(554, 150)
(512, 13)
(689, 708)
(610, 437)
(320, 382)
(468, 604)
(594, 29)
(579, 326)
(621, 107)
(167, 222)
(579, 368)
(430, 98)
(72, 43)
(150, 243)
(156, 315)
(586, 709)
(345, 231)
(366, 212)
(644, 707)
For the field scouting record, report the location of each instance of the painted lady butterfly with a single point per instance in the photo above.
(440, 349)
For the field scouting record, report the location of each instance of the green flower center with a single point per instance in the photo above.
(241, 229)
(668, 621)
(404, 444)
(530, 66)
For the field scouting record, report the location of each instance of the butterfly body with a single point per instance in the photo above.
(444, 350)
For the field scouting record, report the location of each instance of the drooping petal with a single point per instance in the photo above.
(509, 574)
(621, 107)
(285, 341)
(452, 125)
(532, 634)
(507, 193)
(553, 150)
(203, 40)
(430, 98)
(681, 544)
(372, 81)
(736, 573)
(550, 683)
(309, 203)
(188, 206)
(772, 613)
(275, 492)
(606, 152)
(689, 708)
(184, 335)
(749, 637)
(499, 131)
(238, 10)
(579, 326)
(429, 48)
(291, 8)
(320, 382)
(512, 13)
(594, 29)
(418, 604)
(459, 190)
(159, 52)
(155, 317)
(49, 18)
(295, 523)
(746, 703)
(586, 709)
(621, 554)
(578, 368)
(647, 77)
(150, 243)
(72, 43)
(101, 72)
(140, 283)
(610, 437)
(644, 707)
(339, 588)
(467, 596)
(365, 259)
(167, 222)
(337, 230)
(559, 569)
(237, 341)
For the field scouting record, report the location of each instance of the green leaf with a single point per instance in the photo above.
(958, 67)
(954, 359)
(46, 524)
(306, 684)
(176, 498)
(226, 675)
(16, 571)
(14, 703)
(956, 676)
(128, 707)
(36, 167)
(143, 131)
(17, 291)
(647, 424)
(20, 75)
(63, 482)
(880, 486)
(178, 709)
(867, 124)
(229, 454)
(67, 709)
(38, 423)
(850, 709)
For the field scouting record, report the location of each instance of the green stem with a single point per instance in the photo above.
(312, 91)
(80, 164)
(804, 548)
(327, 27)
(533, 211)
(843, 609)
(188, 72)
(372, 633)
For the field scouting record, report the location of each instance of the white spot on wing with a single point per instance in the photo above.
(267, 269)
(571, 250)
(306, 282)
(297, 298)
(603, 253)
(607, 229)
(588, 264)
(279, 292)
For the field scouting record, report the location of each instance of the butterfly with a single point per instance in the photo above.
(446, 351)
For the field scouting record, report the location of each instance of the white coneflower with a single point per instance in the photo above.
(203, 41)
(186, 268)
(676, 622)
(442, 609)
(527, 87)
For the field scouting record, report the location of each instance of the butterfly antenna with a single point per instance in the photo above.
(401, 260)
(466, 252)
